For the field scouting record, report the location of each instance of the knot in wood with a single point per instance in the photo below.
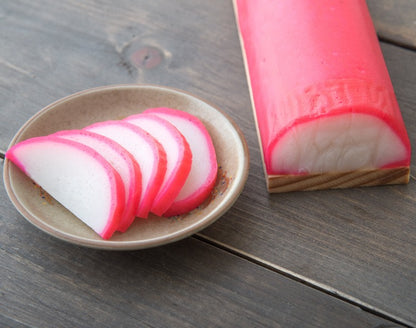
(146, 57)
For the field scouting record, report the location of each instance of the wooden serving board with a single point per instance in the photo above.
(332, 180)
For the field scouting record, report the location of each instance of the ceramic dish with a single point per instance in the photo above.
(116, 102)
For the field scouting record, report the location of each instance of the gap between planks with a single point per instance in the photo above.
(304, 280)
(396, 43)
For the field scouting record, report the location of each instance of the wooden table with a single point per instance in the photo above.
(340, 258)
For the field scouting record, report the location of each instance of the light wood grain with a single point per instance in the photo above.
(351, 179)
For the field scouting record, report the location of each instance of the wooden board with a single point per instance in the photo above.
(349, 179)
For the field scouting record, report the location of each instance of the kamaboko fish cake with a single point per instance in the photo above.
(324, 104)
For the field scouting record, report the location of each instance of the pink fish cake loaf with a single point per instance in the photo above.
(324, 104)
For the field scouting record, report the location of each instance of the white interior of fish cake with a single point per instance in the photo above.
(340, 143)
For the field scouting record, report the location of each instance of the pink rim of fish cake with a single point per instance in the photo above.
(77, 184)
(147, 152)
(178, 154)
(204, 167)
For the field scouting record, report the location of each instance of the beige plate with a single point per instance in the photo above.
(116, 102)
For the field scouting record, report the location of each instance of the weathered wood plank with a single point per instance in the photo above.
(48, 283)
(12, 323)
(74, 45)
(395, 21)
